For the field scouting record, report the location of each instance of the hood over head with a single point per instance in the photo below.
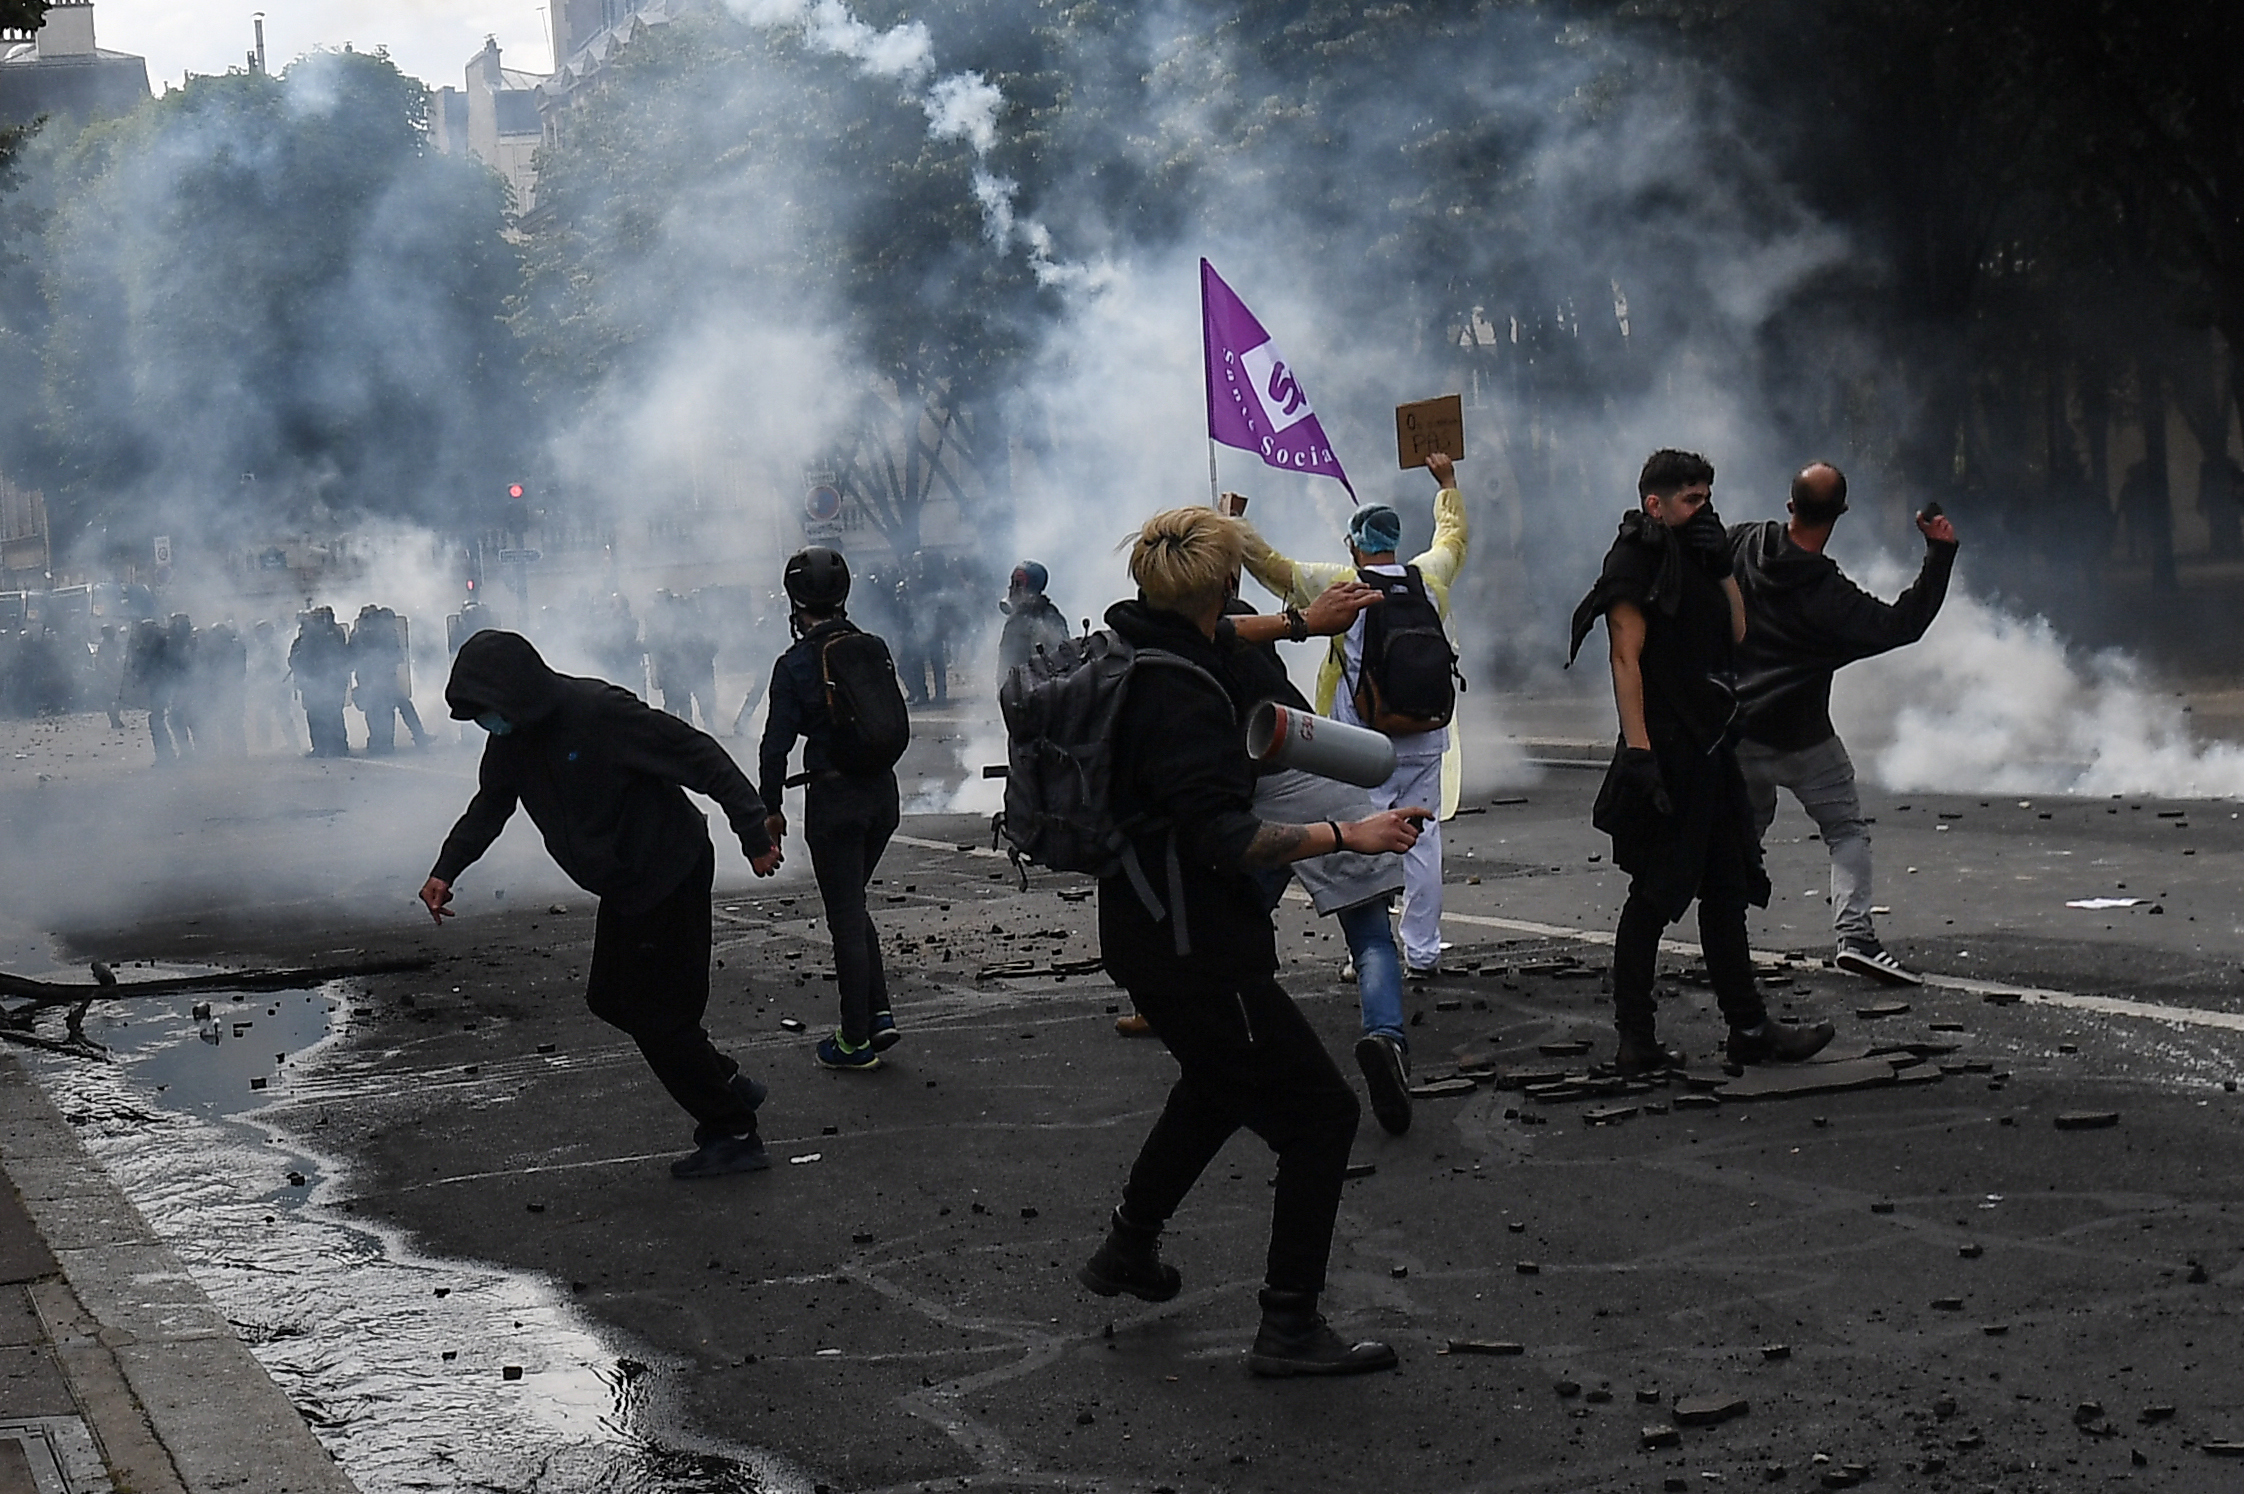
(501, 672)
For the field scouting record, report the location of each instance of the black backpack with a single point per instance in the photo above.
(1408, 682)
(1060, 708)
(864, 701)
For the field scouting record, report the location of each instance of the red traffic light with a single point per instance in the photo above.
(514, 490)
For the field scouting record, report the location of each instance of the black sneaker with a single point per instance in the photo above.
(723, 1157)
(1778, 1042)
(1133, 1264)
(1386, 1079)
(1296, 1340)
(1873, 961)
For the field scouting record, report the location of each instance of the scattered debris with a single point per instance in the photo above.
(1499, 1348)
(2099, 904)
(1880, 1009)
(1709, 1410)
(2087, 1120)
(1442, 1089)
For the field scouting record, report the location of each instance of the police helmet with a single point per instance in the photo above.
(817, 579)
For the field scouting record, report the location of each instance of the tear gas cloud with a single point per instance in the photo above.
(1650, 249)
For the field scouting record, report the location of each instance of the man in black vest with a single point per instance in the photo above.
(1673, 800)
(847, 817)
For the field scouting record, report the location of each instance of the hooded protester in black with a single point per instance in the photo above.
(600, 772)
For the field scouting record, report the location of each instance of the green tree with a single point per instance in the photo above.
(267, 300)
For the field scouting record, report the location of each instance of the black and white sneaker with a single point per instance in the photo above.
(1386, 1080)
(1873, 961)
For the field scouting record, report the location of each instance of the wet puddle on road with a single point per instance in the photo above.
(417, 1373)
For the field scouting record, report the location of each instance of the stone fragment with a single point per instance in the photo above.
(1607, 1114)
(1567, 1389)
(2197, 1276)
(1947, 1304)
(1499, 1348)
(545, 1047)
(2087, 1120)
(1517, 1226)
(2222, 1449)
(1709, 1410)
(861, 1237)
(1398, 1272)
(1028, 1213)
(1653, 1438)
(1449, 1004)
(1775, 1352)
(510, 1372)
(2152, 1415)
(791, 1024)
(1569, 1048)
(1647, 1396)
(1601, 1396)
(1442, 1089)
(1994, 1330)
(1527, 1268)
(535, 1208)
(1878, 1009)
(1360, 1169)
(2087, 1413)
(1971, 1251)
(1944, 1408)
(1881, 1207)
(1695, 1102)
(1784, 1081)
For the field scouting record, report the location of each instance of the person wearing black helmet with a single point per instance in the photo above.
(836, 688)
(601, 772)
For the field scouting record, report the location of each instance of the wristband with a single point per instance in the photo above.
(1339, 842)
(1297, 628)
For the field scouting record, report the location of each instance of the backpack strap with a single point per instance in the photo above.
(1174, 869)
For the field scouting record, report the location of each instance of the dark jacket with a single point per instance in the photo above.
(798, 709)
(1180, 759)
(1033, 623)
(1686, 663)
(1805, 619)
(599, 770)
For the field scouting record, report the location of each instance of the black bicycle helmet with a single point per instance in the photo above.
(817, 579)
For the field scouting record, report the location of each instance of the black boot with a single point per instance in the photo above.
(1777, 1042)
(1641, 1052)
(1296, 1340)
(1130, 1261)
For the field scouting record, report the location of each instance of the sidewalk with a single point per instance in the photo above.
(116, 1372)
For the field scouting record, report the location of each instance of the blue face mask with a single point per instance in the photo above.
(494, 723)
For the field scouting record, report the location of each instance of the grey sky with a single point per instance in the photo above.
(431, 39)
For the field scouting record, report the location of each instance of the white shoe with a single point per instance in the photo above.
(1873, 961)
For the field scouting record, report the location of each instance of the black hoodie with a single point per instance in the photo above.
(1803, 620)
(600, 772)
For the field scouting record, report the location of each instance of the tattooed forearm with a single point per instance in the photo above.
(1282, 845)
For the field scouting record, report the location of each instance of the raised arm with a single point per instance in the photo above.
(1440, 561)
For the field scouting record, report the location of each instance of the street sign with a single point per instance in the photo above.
(517, 557)
(163, 549)
(824, 503)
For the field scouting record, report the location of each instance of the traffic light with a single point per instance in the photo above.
(514, 490)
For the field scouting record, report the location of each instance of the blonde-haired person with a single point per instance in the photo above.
(1246, 1055)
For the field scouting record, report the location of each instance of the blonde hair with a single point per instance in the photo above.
(1184, 559)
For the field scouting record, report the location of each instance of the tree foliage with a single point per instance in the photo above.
(266, 301)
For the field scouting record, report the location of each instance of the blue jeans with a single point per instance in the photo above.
(1371, 942)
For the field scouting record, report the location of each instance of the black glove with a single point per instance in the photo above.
(1639, 778)
(1706, 540)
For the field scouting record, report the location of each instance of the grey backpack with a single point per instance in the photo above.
(1060, 710)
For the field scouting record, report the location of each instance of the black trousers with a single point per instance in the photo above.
(650, 978)
(1249, 1058)
(1724, 888)
(847, 822)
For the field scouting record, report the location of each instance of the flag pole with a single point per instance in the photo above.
(1215, 498)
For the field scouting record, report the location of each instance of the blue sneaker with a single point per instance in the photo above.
(886, 1034)
(834, 1053)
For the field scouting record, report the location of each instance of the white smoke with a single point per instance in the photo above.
(1991, 702)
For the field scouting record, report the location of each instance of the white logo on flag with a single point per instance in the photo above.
(1283, 403)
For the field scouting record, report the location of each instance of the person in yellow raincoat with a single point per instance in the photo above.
(1427, 764)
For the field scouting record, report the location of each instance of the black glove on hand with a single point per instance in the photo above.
(1640, 777)
(1705, 538)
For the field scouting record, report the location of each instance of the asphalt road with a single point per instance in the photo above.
(1928, 1280)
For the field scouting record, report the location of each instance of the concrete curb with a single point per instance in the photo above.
(168, 1390)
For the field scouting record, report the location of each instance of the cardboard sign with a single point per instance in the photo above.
(1428, 426)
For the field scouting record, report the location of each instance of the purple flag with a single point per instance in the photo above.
(1254, 401)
